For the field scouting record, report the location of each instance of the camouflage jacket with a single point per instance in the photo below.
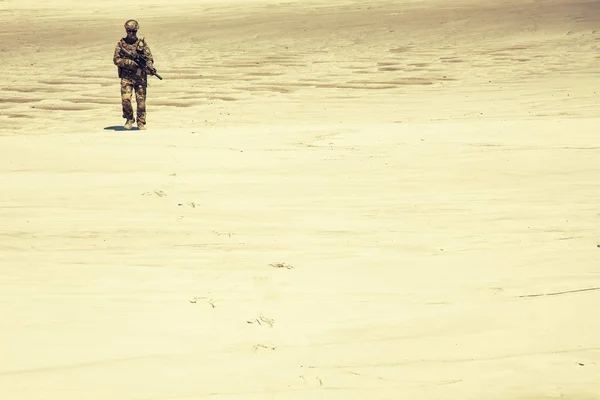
(128, 69)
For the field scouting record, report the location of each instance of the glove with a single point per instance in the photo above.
(150, 68)
(126, 63)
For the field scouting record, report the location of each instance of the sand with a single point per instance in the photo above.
(333, 200)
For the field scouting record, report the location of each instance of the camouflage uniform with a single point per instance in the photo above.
(133, 78)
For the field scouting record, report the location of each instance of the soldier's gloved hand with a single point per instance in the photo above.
(129, 63)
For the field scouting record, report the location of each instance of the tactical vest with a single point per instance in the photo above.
(139, 73)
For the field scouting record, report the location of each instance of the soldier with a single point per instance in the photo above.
(134, 78)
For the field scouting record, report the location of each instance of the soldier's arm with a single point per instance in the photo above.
(148, 54)
(122, 62)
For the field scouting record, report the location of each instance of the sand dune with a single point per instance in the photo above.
(333, 200)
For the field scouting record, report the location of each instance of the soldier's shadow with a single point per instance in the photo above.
(118, 128)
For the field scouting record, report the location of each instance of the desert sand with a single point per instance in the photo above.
(333, 200)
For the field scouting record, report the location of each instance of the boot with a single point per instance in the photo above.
(129, 124)
(141, 126)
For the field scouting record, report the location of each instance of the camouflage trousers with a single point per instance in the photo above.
(128, 87)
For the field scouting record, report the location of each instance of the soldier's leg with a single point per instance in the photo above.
(140, 98)
(126, 93)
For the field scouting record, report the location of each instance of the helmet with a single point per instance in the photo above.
(132, 24)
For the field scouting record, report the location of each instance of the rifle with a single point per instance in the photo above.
(141, 61)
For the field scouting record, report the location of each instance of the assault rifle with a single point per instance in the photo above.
(141, 61)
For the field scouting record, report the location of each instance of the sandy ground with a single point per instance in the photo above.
(333, 200)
